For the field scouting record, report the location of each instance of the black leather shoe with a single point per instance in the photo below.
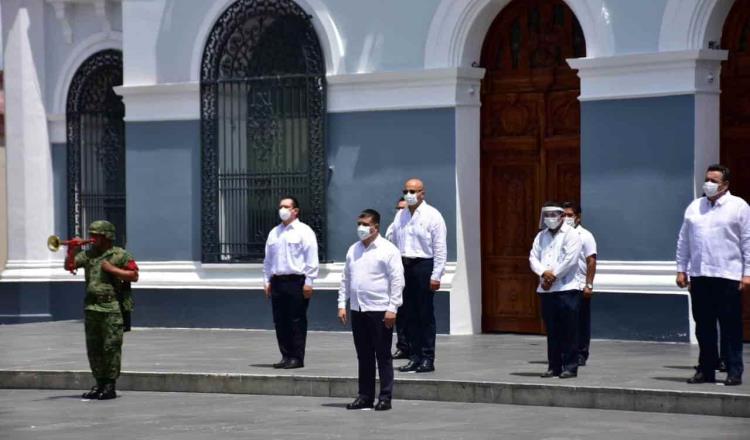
(411, 366)
(701, 378)
(281, 364)
(722, 366)
(293, 363)
(383, 405)
(732, 381)
(400, 354)
(425, 367)
(549, 373)
(93, 393)
(568, 374)
(108, 392)
(581, 361)
(360, 403)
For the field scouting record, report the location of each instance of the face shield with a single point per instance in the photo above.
(550, 212)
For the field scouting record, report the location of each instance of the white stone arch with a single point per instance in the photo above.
(458, 29)
(328, 34)
(87, 47)
(692, 24)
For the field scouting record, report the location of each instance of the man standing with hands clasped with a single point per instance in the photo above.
(420, 234)
(289, 268)
(714, 248)
(372, 281)
(554, 258)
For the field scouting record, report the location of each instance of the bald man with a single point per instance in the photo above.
(419, 232)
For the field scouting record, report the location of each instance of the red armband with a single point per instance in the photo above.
(131, 265)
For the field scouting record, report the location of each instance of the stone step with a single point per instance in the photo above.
(627, 399)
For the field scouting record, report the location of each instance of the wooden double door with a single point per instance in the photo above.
(735, 112)
(530, 149)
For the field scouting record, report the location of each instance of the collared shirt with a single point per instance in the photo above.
(422, 235)
(559, 253)
(714, 240)
(291, 250)
(588, 248)
(373, 277)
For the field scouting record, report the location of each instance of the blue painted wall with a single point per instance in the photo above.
(163, 190)
(636, 174)
(642, 317)
(60, 188)
(374, 153)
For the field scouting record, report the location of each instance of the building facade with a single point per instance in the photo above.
(184, 121)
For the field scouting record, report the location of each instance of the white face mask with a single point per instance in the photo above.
(570, 221)
(710, 189)
(363, 232)
(284, 214)
(552, 222)
(411, 199)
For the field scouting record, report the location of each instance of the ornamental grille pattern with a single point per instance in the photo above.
(262, 127)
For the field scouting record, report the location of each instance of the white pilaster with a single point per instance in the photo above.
(466, 296)
(29, 189)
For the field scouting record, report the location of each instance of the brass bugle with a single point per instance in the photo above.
(54, 243)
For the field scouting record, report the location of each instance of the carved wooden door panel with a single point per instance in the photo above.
(735, 112)
(530, 149)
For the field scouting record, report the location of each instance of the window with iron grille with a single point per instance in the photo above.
(262, 127)
(96, 145)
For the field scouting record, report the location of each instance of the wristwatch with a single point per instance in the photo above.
(589, 286)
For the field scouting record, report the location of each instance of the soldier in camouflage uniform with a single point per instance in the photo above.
(109, 270)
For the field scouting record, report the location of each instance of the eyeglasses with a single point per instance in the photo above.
(411, 191)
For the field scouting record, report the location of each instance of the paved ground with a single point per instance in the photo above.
(502, 358)
(62, 415)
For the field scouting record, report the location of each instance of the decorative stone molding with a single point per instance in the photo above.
(62, 10)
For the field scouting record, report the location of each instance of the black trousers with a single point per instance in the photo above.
(717, 299)
(372, 340)
(418, 309)
(584, 329)
(402, 341)
(290, 315)
(560, 311)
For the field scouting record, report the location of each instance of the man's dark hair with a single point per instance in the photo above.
(401, 199)
(549, 203)
(371, 213)
(295, 203)
(725, 175)
(572, 205)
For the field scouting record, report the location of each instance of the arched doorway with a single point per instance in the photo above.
(735, 111)
(263, 95)
(530, 148)
(96, 145)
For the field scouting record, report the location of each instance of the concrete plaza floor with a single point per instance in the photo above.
(620, 369)
(62, 415)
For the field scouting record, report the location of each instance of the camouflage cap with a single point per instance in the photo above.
(103, 227)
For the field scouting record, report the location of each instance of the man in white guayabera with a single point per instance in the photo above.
(554, 259)
(289, 268)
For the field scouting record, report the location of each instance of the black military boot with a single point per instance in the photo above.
(108, 391)
(94, 392)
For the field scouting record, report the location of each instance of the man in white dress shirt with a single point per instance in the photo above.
(554, 258)
(372, 282)
(585, 276)
(420, 234)
(289, 268)
(714, 249)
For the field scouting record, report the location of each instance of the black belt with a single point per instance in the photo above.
(408, 261)
(98, 299)
(291, 277)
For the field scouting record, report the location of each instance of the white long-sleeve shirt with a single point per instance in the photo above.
(588, 248)
(714, 239)
(558, 253)
(422, 235)
(373, 277)
(291, 250)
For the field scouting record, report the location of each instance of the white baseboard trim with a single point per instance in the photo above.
(638, 277)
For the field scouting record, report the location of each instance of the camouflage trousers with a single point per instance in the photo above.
(104, 344)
